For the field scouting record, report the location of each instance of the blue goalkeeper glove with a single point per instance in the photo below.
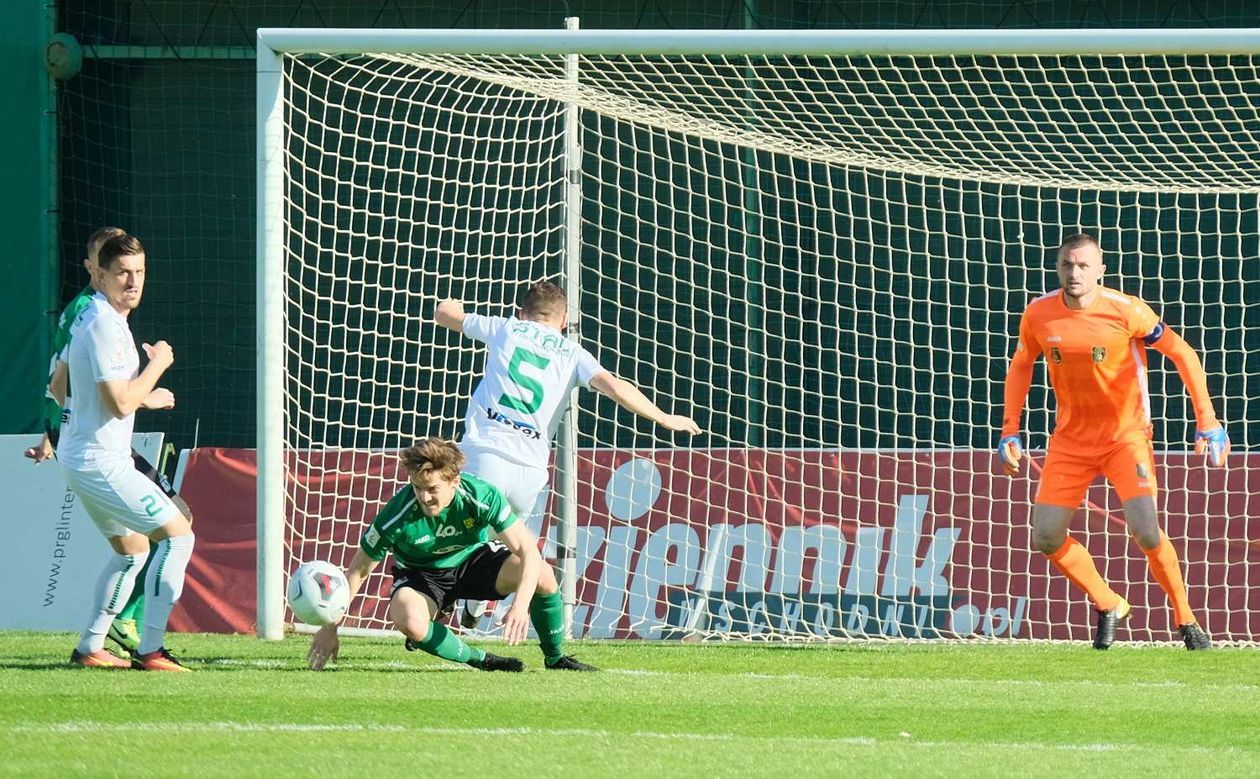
(1215, 443)
(1010, 451)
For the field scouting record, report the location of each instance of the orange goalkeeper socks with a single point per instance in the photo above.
(1074, 561)
(1166, 569)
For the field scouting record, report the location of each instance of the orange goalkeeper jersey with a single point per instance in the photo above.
(1096, 358)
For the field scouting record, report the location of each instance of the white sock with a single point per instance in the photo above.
(162, 587)
(113, 588)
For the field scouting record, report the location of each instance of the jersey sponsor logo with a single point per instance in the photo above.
(1055, 354)
(1054, 339)
(1099, 353)
(1142, 472)
(445, 531)
(524, 428)
(448, 549)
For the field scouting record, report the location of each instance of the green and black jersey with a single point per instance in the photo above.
(443, 541)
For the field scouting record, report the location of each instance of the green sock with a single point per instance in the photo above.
(134, 608)
(547, 614)
(446, 645)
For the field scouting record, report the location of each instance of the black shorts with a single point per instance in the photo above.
(151, 473)
(473, 579)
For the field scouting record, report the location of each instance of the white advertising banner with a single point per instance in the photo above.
(52, 553)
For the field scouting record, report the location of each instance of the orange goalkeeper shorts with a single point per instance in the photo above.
(1129, 465)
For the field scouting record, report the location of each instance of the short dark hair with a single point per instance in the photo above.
(545, 299)
(1076, 241)
(433, 454)
(100, 236)
(118, 246)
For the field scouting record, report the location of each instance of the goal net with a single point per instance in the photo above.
(820, 257)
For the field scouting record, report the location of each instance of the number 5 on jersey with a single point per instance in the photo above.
(528, 385)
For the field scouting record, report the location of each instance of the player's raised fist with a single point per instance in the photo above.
(160, 353)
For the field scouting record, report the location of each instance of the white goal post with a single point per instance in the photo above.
(818, 243)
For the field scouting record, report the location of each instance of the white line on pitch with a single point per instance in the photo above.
(393, 665)
(1036, 683)
(78, 727)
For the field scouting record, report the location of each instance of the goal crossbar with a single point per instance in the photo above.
(761, 42)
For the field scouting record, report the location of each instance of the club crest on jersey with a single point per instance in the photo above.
(468, 523)
(1099, 353)
(1055, 354)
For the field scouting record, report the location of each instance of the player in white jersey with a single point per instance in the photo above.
(95, 449)
(531, 368)
(57, 406)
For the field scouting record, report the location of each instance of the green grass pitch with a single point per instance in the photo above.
(658, 709)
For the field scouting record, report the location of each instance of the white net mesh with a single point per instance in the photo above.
(821, 259)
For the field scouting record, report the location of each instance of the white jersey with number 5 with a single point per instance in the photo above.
(101, 349)
(530, 370)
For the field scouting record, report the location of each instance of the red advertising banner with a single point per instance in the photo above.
(908, 544)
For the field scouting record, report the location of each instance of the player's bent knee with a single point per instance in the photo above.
(547, 580)
(410, 613)
(412, 625)
(1146, 537)
(416, 631)
(132, 543)
(1048, 542)
(176, 526)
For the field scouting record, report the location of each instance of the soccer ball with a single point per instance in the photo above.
(318, 593)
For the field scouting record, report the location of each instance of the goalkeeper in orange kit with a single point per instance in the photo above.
(1094, 340)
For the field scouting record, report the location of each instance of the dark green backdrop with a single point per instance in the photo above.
(165, 148)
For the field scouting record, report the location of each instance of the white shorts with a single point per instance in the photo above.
(119, 499)
(524, 486)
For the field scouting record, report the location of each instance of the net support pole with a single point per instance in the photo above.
(270, 342)
(751, 222)
(566, 452)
